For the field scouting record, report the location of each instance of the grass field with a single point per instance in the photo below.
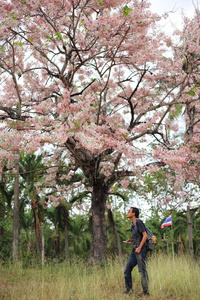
(170, 279)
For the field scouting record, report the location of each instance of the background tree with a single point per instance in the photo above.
(59, 216)
(183, 158)
(80, 236)
(6, 196)
(32, 170)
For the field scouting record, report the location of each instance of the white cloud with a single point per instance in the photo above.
(187, 6)
(177, 9)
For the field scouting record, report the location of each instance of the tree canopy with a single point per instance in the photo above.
(95, 82)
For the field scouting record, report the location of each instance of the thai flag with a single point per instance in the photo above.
(167, 222)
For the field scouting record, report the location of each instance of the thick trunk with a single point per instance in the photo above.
(191, 250)
(57, 246)
(114, 229)
(16, 213)
(66, 245)
(42, 248)
(99, 241)
(38, 228)
(90, 167)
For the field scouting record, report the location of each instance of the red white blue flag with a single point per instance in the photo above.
(167, 222)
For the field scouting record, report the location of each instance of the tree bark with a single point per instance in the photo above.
(90, 167)
(99, 241)
(38, 228)
(66, 245)
(42, 248)
(114, 229)
(191, 250)
(57, 245)
(16, 212)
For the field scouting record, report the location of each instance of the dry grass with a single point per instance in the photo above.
(169, 280)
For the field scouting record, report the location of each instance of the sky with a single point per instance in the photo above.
(179, 5)
(177, 8)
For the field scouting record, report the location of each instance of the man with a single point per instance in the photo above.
(138, 254)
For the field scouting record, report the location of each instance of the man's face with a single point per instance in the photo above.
(130, 214)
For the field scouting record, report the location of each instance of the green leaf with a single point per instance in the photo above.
(191, 93)
(76, 124)
(58, 35)
(13, 16)
(49, 37)
(176, 113)
(14, 124)
(100, 2)
(170, 85)
(127, 10)
(80, 23)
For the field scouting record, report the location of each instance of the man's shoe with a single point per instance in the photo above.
(128, 292)
(143, 295)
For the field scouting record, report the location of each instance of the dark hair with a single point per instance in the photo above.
(136, 211)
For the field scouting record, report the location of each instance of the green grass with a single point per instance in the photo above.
(169, 279)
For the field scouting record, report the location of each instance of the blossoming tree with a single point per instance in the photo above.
(88, 79)
(183, 156)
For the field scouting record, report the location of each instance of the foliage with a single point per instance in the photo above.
(6, 237)
(80, 235)
(6, 194)
(158, 190)
(81, 81)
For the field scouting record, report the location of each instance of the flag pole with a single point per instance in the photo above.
(172, 234)
(168, 222)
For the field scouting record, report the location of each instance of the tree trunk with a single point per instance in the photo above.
(66, 245)
(191, 252)
(16, 212)
(99, 240)
(57, 245)
(114, 229)
(42, 248)
(38, 228)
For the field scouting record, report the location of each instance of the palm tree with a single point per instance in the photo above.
(6, 196)
(180, 228)
(196, 232)
(32, 170)
(59, 217)
(80, 235)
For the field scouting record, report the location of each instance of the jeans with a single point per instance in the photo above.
(140, 260)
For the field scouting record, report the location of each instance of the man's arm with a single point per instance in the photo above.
(144, 238)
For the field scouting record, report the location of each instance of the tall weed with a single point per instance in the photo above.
(170, 279)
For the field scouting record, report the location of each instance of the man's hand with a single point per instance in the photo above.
(144, 238)
(137, 250)
(129, 241)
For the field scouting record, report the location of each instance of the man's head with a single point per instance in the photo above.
(133, 212)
